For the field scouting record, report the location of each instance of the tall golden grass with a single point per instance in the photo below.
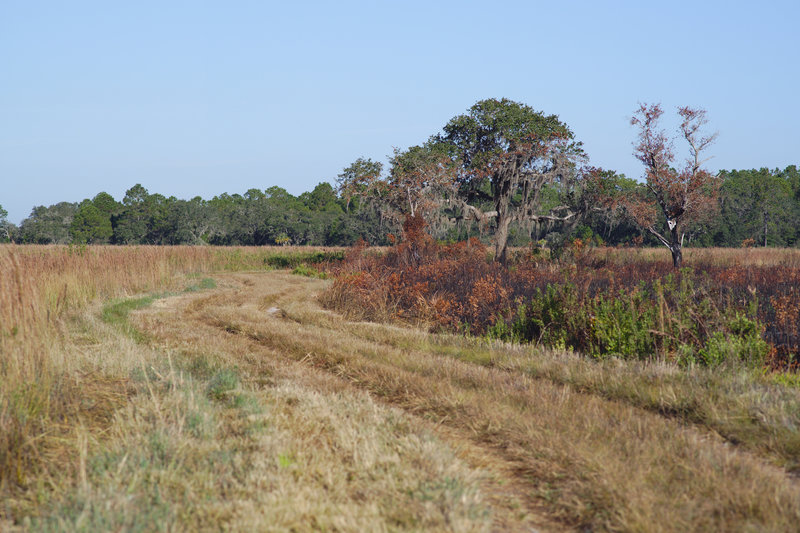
(39, 287)
(712, 256)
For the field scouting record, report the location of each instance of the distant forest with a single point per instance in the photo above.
(756, 207)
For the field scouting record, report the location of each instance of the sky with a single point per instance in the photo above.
(199, 98)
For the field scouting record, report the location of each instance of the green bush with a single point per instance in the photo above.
(741, 343)
(662, 320)
(622, 326)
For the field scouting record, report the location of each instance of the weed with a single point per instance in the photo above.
(200, 366)
(285, 460)
(309, 272)
(223, 382)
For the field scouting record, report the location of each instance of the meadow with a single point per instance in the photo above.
(43, 289)
(199, 388)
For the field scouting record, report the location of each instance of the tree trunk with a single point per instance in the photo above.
(677, 256)
(501, 239)
(675, 248)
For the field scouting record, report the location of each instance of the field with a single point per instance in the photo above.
(184, 388)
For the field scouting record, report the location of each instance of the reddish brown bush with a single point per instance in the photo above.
(455, 288)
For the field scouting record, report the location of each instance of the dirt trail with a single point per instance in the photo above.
(557, 459)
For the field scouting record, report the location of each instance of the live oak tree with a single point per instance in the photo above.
(192, 221)
(673, 197)
(357, 179)
(508, 153)
(421, 181)
(48, 225)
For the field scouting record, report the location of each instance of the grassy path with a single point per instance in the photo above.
(526, 450)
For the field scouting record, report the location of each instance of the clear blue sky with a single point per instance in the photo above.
(199, 98)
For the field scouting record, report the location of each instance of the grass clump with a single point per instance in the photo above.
(116, 312)
(309, 272)
(200, 366)
(222, 383)
(789, 379)
(203, 284)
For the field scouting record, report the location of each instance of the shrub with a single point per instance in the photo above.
(634, 307)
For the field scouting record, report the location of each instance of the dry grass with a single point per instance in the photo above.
(744, 407)
(596, 463)
(39, 287)
(281, 457)
(213, 438)
(248, 407)
(131, 437)
(713, 256)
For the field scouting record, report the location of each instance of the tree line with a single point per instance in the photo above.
(501, 171)
(255, 218)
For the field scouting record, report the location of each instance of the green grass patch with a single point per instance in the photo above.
(297, 259)
(236, 260)
(203, 284)
(788, 379)
(223, 382)
(116, 311)
(247, 403)
(309, 272)
(116, 314)
(285, 460)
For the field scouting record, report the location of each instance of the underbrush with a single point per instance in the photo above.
(707, 313)
(304, 258)
(664, 320)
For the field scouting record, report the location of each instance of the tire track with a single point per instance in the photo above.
(571, 459)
